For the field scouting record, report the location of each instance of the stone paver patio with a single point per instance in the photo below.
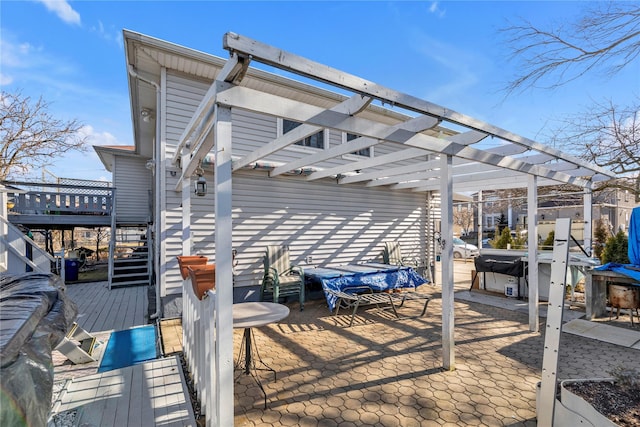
(388, 372)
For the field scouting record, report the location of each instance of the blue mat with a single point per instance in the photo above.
(129, 347)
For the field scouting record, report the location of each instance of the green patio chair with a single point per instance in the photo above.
(281, 278)
(392, 255)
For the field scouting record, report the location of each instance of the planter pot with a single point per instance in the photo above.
(577, 405)
(203, 278)
(190, 260)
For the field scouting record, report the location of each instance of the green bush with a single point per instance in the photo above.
(600, 234)
(616, 249)
(520, 240)
(504, 239)
(548, 242)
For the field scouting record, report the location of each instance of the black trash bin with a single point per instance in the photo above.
(71, 267)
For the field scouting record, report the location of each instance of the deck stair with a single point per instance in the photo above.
(130, 263)
(78, 345)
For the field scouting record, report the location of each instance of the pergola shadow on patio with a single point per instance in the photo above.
(388, 372)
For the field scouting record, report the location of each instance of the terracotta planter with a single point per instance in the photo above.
(190, 260)
(203, 278)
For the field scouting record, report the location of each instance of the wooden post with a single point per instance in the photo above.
(224, 275)
(532, 253)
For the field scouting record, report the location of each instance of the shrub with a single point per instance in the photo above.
(616, 249)
(548, 242)
(600, 234)
(501, 242)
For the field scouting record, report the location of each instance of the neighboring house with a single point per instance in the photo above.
(332, 195)
(612, 206)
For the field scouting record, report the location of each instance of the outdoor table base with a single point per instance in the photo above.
(249, 362)
(248, 315)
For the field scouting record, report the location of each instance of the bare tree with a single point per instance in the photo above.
(31, 137)
(608, 136)
(101, 235)
(606, 38)
(463, 216)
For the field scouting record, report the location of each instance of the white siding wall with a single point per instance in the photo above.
(333, 223)
(133, 185)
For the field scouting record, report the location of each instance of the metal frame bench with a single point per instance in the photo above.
(358, 296)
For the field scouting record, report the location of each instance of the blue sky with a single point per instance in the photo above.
(450, 52)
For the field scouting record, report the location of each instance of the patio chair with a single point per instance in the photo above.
(281, 278)
(392, 255)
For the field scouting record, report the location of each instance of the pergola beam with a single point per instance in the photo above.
(351, 106)
(245, 98)
(278, 58)
(417, 124)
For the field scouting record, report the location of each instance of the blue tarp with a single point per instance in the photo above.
(634, 237)
(633, 269)
(628, 270)
(378, 277)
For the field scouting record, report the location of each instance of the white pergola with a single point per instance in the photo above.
(460, 162)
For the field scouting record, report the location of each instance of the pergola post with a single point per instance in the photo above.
(446, 245)
(532, 244)
(480, 219)
(186, 208)
(588, 220)
(224, 275)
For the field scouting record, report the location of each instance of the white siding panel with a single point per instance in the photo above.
(133, 185)
(334, 224)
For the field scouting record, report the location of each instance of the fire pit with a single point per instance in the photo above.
(621, 296)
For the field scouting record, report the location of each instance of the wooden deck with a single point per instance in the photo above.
(101, 309)
(152, 393)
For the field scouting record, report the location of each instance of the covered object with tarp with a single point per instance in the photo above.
(509, 265)
(633, 250)
(35, 314)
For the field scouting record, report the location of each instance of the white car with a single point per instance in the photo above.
(462, 249)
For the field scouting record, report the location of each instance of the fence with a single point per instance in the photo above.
(198, 329)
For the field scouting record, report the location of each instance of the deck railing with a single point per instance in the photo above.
(60, 199)
(17, 252)
(198, 329)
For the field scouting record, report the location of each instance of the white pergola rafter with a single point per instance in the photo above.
(256, 101)
(269, 55)
(417, 124)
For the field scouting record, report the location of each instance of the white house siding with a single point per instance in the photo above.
(133, 188)
(334, 224)
(183, 96)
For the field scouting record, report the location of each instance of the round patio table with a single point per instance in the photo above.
(248, 315)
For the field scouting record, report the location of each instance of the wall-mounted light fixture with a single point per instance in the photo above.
(147, 114)
(201, 184)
